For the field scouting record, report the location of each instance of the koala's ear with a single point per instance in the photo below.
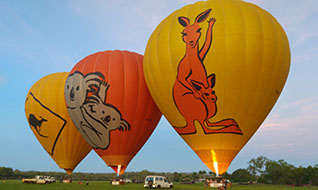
(76, 72)
(124, 125)
(98, 75)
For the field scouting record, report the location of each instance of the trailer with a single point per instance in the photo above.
(38, 179)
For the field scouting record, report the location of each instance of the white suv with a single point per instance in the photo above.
(157, 182)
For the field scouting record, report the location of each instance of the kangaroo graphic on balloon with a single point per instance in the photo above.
(97, 118)
(36, 124)
(192, 85)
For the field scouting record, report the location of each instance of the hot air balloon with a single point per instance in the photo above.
(215, 69)
(46, 112)
(108, 100)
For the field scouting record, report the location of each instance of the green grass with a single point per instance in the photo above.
(18, 185)
(271, 187)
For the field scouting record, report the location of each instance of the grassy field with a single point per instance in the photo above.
(17, 185)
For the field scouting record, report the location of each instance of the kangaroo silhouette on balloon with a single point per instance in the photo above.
(193, 91)
(36, 123)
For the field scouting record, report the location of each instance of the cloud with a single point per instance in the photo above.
(305, 36)
(281, 146)
(304, 10)
(292, 128)
(97, 8)
(289, 12)
(151, 13)
(123, 24)
(26, 44)
(299, 103)
(297, 17)
(18, 25)
(187, 1)
(293, 116)
(144, 12)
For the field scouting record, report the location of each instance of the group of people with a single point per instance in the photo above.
(220, 183)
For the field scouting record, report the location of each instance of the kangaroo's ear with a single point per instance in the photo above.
(211, 80)
(184, 21)
(202, 16)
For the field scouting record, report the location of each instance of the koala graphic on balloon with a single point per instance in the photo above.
(85, 96)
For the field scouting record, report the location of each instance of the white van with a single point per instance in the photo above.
(157, 182)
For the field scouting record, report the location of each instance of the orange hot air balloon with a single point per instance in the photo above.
(46, 112)
(108, 100)
(215, 69)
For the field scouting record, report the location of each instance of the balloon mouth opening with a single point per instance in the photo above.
(119, 169)
(215, 163)
(68, 170)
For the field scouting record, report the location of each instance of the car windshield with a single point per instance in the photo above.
(149, 179)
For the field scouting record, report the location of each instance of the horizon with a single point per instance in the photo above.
(54, 36)
(112, 172)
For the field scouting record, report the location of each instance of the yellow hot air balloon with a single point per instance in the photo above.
(215, 69)
(46, 112)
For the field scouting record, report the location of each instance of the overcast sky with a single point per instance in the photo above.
(43, 37)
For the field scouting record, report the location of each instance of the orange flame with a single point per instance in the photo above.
(215, 162)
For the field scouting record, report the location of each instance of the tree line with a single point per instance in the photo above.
(264, 170)
(260, 170)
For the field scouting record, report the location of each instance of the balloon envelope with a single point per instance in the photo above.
(215, 69)
(109, 102)
(46, 112)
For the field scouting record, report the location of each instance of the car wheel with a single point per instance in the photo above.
(158, 187)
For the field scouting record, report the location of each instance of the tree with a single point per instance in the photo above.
(194, 176)
(176, 177)
(279, 172)
(212, 174)
(257, 166)
(298, 176)
(226, 175)
(311, 175)
(202, 173)
(6, 173)
(242, 175)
